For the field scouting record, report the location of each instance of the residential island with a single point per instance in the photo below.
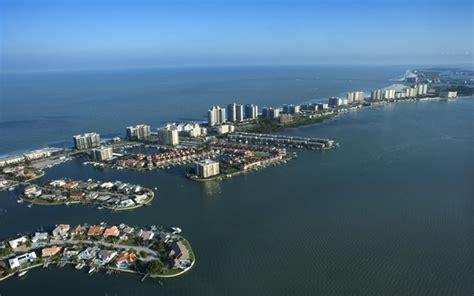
(148, 251)
(12, 176)
(111, 195)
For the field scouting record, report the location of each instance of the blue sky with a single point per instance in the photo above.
(70, 34)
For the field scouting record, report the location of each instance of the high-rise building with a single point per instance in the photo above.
(322, 106)
(274, 113)
(216, 115)
(138, 132)
(335, 102)
(376, 95)
(102, 153)
(251, 111)
(232, 112)
(355, 97)
(235, 112)
(86, 141)
(239, 113)
(389, 94)
(411, 92)
(291, 109)
(422, 89)
(168, 136)
(207, 168)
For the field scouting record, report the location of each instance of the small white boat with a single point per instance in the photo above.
(30, 205)
(19, 201)
(176, 230)
(91, 270)
(80, 265)
(11, 188)
(22, 273)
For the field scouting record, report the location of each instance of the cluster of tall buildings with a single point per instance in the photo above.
(409, 92)
(86, 141)
(233, 113)
(291, 109)
(270, 112)
(355, 97)
(138, 132)
(216, 115)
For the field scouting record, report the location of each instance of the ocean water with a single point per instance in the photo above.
(38, 110)
(387, 213)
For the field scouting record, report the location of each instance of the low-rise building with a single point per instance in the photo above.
(125, 260)
(61, 230)
(39, 236)
(448, 94)
(95, 230)
(225, 129)
(15, 243)
(21, 260)
(51, 251)
(111, 232)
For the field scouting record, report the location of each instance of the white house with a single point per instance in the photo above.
(22, 259)
(16, 242)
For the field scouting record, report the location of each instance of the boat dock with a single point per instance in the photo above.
(282, 140)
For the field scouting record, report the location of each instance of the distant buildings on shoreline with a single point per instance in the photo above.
(138, 132)
(86, 141)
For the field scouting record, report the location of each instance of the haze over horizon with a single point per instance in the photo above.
(47, 35)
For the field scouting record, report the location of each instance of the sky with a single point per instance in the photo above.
(44, 35)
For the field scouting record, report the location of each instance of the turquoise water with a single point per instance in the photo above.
(387, 213)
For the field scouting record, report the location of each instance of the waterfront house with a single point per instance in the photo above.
(141, 198)
(125, 260)
(179, 251)
(105, 256)
(57, 183)
(95, 230)
(76, 195)
(22, 260)
(111, 231)
(69, 252)
(61, 230)
(32, 191)
(15, 243)
(129, 230)
(51, 251)
(126, 203)
(39, 236)
(146, 234)
(89, 253)
(71, 185)
(79, 230)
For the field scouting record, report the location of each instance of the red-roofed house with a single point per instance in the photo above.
(111, 231)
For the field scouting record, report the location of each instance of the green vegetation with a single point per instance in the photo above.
(154, 267)
(267, 125)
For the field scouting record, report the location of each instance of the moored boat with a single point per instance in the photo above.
(22, 273)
